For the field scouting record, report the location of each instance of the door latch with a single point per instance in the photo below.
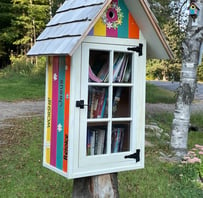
(81, 104)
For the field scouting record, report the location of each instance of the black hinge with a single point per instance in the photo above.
(135, 156)
(137, 49)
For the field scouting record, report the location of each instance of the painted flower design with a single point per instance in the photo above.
(113, 16)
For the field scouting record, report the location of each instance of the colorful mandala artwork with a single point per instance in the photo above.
(113, 16)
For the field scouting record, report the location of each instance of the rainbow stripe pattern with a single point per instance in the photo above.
(117, 22)
(57, 118)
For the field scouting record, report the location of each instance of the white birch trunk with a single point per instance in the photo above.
(188, 84)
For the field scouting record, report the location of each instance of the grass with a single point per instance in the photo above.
(156, 94)
(18, 87)
(15, 88)
(21, 171)
(22, 174)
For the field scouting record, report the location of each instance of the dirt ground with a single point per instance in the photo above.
(13, 110)
(10, 110)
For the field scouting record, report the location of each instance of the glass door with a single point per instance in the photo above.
(108, 89)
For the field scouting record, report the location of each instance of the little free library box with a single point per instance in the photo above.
(95, 85)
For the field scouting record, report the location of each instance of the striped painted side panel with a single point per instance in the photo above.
(57, 126)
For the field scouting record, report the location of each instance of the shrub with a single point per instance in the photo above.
(194, 161)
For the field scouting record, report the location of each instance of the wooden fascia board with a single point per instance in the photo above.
(152, 20)
(90, 26)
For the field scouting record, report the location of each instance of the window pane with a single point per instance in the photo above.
(96, 139)
(120, 137)
(97, 102)
(122, 67)
(99, 66)
(121, 102)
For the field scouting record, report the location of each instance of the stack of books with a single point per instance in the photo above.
(121, 70)
(117, 140)
(97, 100)
(96, 141)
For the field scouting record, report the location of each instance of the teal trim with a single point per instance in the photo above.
(123, 28)
(60, 123)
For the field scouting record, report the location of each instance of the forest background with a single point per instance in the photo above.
(21, 21)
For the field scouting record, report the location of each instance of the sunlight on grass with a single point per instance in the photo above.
(156, 94)
(21, 88)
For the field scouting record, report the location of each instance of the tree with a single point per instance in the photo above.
(96, 186)
(167, 15)
(55, 5)
(168, 69)
(6, 35)
(188, 82)
(31, 17)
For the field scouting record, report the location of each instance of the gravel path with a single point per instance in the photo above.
(9, 110)
(197, 106)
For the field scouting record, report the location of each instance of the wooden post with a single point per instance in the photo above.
(101, 186)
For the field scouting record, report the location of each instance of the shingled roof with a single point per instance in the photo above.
(75, 18)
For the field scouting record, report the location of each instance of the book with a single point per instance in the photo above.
(121, 70)
(117, 139)
(92, 143)
(101, 76)
(117, 67)
(97, 100)
(95, 141)
(116, 99)
(100, 141)
(93, 77)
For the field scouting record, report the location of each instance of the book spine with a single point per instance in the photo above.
(101, 102)
(104, 103)
(100, 141)
(92, 143)
(88, 142)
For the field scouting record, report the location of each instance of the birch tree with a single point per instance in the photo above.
(188, 80)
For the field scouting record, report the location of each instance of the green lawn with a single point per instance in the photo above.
(156, 94)
(22, 174)
(15, 88)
